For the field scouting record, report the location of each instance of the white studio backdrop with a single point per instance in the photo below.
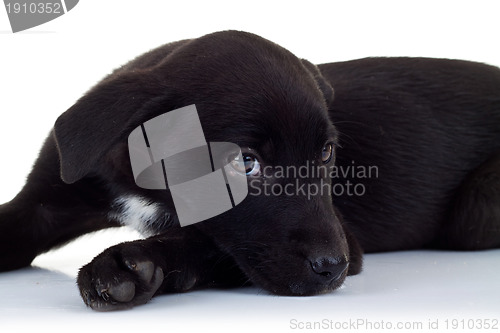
(44, 70)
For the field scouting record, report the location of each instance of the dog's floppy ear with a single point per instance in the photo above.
(90, 127)
(323, 85)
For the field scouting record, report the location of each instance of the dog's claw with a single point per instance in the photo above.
(131, 265)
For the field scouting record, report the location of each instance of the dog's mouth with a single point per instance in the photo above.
(295, 275)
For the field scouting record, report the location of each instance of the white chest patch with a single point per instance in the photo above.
(135, 212)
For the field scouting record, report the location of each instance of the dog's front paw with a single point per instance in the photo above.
(119, 278)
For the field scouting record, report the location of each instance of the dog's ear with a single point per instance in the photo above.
(87, 130)
(323, 84)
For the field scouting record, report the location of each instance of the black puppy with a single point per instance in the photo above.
(415, 144)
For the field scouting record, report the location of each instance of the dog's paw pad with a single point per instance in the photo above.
(144, 269)
(123, 292)
(108, 283)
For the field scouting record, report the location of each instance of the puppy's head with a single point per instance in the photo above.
(286, 235)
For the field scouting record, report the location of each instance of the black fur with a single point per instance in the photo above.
(429, 127)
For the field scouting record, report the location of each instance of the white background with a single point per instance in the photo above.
(44, 70)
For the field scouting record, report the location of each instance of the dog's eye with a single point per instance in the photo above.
(327, 152)
(250, 162)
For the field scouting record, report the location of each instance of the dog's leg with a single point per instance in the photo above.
(474, 222)
(48, 213)
(131, 273)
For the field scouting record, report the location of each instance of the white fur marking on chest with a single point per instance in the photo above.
(135, 212)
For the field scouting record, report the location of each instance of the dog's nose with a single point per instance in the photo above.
(330, 268)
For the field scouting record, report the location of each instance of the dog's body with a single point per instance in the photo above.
(430, 130)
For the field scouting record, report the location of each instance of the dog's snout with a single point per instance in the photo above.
(330, 268)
